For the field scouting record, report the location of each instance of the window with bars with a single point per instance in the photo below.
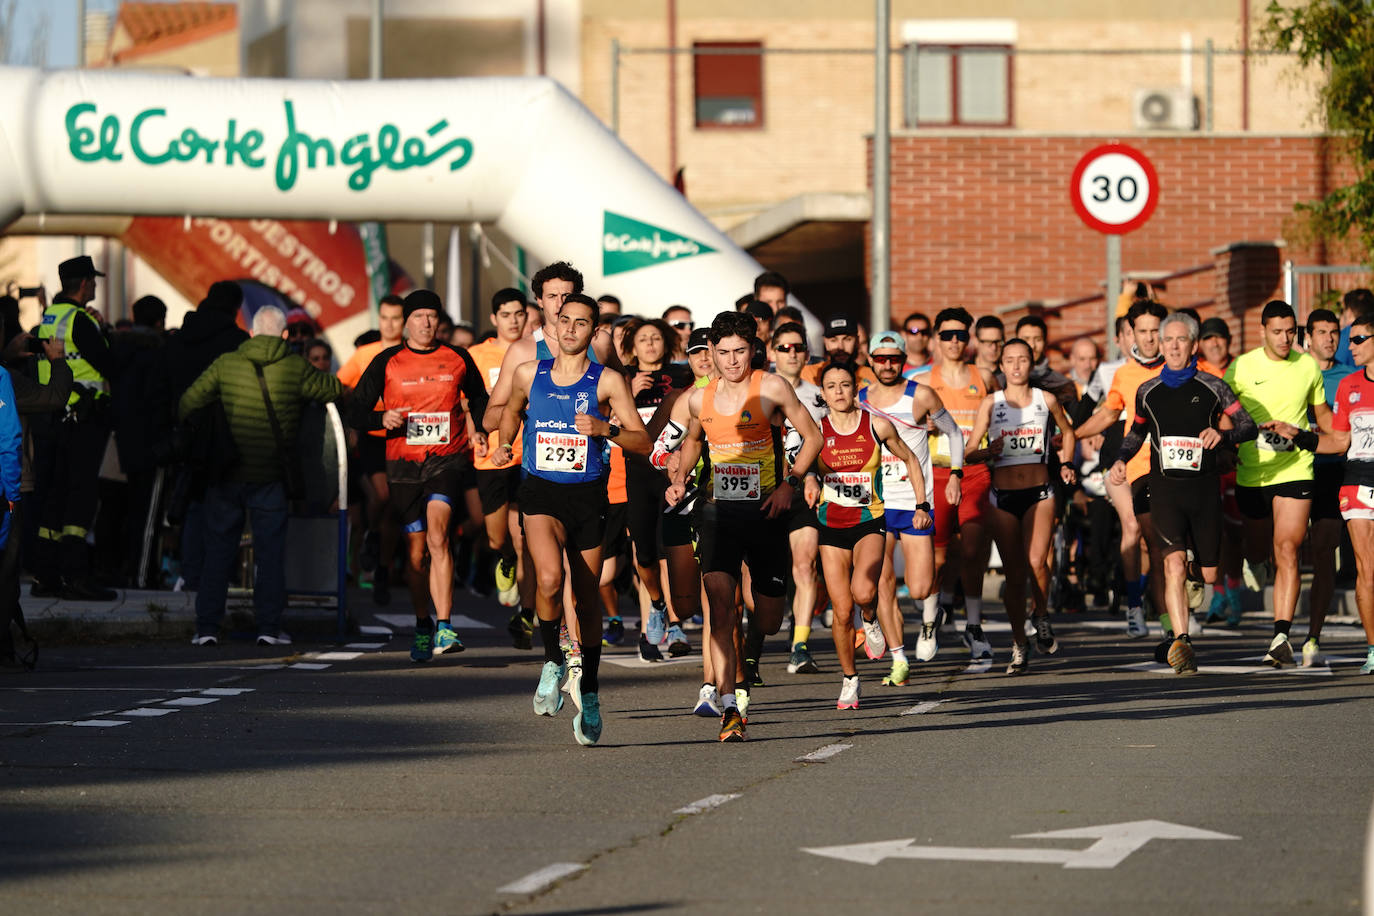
(727, 88)
(958, 85)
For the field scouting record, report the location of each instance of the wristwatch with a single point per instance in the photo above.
(791, 480)
(957, 472)
(922, 507)
(612, 430)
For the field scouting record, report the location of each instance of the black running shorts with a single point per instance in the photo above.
(1187, 513)
(729, 538)
(579, 507)
(1258, 502)
(497, 488)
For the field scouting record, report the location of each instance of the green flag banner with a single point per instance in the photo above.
(628, 244)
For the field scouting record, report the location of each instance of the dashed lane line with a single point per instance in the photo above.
(922, 708)
(538, 880)
(824, 753)
(706, 804)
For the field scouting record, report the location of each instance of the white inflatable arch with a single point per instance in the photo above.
(521, 153)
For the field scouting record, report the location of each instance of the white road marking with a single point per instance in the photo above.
(338, 656)
(1115, 842)
(922, 708)
(272, 667)
(706, 804)
(538, 880)
(365, 645)
(225, 691)
(824, 753)
(191, 701)
(469, 623)
(407, 622)
(1156, 668)
(633, 661)
(399, 621)
(375, 631)
(982, 666)
(145, 712)
(101, 689)
(96, 723)
(308, 666)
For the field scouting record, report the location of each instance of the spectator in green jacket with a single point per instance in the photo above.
(257, 486)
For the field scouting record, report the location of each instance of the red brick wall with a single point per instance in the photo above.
(985, 221)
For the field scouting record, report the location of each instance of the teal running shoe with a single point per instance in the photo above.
(587, 725)
(446, 640)
(1368, 666)
(547, 698)
(422, 648)
(1218, 610)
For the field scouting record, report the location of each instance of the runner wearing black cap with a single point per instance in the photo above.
(420, 385)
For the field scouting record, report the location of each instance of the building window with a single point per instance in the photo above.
(728, 88)
(958, 85)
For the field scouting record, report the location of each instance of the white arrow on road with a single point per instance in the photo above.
(1114, 843)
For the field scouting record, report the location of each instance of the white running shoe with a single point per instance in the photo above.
(928, 643)
(1311, 653)
(708, 702)
(978, 649)
(573, 685)
(1019, 660)
(1136, 627)
(1280, 651)
(742, 702)
(849, 693)
(874, 644)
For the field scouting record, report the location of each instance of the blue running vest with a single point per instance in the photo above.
(554, 449)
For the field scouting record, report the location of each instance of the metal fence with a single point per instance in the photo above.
(1308, 287)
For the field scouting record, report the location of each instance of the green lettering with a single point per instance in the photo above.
(136, 138)
(242, 147)
(288, 167)
(80, 138)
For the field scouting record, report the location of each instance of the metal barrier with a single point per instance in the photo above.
(1315, 286)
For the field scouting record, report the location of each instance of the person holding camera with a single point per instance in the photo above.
(71, 446)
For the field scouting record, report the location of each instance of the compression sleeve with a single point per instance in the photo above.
(1244, 425)
(668, 441)
(945, 424)
(1136, 435)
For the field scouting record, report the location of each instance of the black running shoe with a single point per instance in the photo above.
(751, 673)
(521, 631)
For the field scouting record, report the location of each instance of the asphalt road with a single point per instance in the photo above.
(160, 777)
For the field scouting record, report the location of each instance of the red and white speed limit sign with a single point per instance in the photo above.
(1114, 189)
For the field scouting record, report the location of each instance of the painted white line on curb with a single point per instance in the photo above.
(538, 880)
(191, 701)
(825, 753)
(922, 708)
(307, 666)
(99, 723)
(364, 645)
(144, 712)
(225, 691)
(338, 656)
(706, 804)
(375, 631)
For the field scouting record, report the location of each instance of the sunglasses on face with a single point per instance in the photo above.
(1357, 339)
(888, 358)
(954, 335)
(791, 348)
(684, 325)
(918, 332)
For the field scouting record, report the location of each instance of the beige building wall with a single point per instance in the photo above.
(215, 55)
(817, 108)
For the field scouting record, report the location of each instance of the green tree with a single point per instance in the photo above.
(1337, 38)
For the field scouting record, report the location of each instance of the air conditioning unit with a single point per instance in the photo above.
(1167, 108)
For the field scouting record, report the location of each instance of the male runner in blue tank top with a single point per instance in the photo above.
(568, 399)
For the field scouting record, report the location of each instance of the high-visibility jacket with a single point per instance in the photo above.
(58, 321)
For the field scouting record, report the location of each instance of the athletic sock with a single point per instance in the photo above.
(1219, 588)
(659, 604)
(1282, 626)
(1233, 583)
(946, 598)
(727, 701)
(591, 664)
(930, 609)
(974, 630)
(424, 624)
(898, 654)
(528, 614)
(800, 635)
(1135, 592)
(753, 641)
(973, 610)
(548, 631)
(508, 554)
(615, 619)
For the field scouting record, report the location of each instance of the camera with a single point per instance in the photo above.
(30, 292)
(34, 346)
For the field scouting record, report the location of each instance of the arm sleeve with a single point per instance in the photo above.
(11, 440)
(33, 398)
(1136, 435)
(203, 392)
(669, 440)
(92, 344)
(1244, 425)
(361, 412)
(320, 386)
(945, 424)
(474, 388)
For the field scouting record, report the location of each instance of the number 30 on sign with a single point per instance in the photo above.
(1114, 189)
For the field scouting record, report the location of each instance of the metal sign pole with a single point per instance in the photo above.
(1113, 291)
(880, 311)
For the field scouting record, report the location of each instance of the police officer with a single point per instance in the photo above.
(72, 443)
